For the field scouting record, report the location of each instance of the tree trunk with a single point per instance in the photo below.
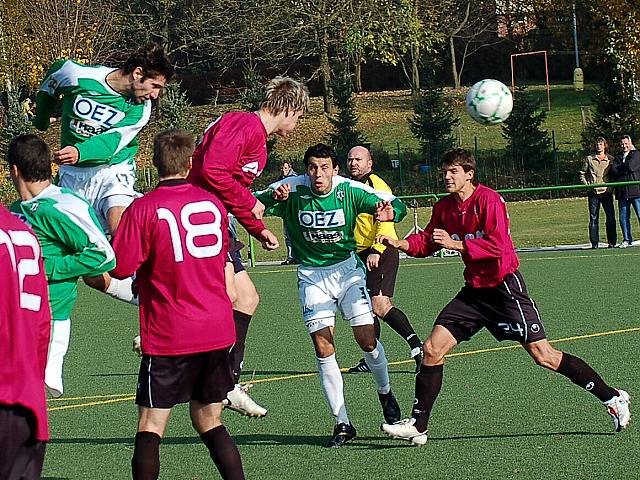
(415, 70)
(325, 70)
(454, 67)
(358, 73)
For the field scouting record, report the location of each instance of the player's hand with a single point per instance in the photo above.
(282, 192)
(373, 260)
(387, 241)
(269, 240)
(258, 210)
(384, 212)
(442, 238)
(68, 155)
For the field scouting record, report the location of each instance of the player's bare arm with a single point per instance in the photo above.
(258, 210)
(68, 155)
(387, 241)
(441, 237)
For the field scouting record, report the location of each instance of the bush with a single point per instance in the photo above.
(174, 110)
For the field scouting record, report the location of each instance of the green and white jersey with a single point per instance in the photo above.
(321, 226)
(100, 122)
(72, 241)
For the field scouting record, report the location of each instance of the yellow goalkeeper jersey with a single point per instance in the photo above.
(367, 228)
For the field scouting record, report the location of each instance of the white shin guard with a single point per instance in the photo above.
(377, 362)
(333, 387)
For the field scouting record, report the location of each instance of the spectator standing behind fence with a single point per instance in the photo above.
(626, 168)
(286, 170)
(596, 170)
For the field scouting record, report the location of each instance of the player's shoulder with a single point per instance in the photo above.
(378, 183)
(484, 193)
(12, 220)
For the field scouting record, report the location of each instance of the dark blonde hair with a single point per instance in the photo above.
(172, 150)
(603, 140)
(284, 94)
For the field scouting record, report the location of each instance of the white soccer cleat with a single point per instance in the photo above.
(405, 430)
(137, 345)
(618, 408)
(239, 400)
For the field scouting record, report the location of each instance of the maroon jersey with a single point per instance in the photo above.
(482, 223)
(231, 154)
(25, 321)
(175, 239)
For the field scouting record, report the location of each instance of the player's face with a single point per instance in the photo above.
(147, 88)
(456, 179)
(321, 172)
(359, 163)
(287, 123)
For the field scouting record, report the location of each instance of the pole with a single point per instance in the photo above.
(575, 36)
(400, 167)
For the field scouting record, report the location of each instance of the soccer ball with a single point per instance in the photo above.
(489, 102)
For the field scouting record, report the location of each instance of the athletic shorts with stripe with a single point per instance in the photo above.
(506, 310)
(382, 280)
(165, 381)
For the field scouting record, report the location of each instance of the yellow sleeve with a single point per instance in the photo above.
(382, 228)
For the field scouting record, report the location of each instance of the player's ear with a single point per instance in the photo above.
(137, 73)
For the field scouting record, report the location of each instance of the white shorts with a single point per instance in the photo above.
(104, 186)
(342, 286)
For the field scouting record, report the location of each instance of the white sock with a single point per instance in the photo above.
(377, 362)
(333, 387)
(121, 289)
(58, 346)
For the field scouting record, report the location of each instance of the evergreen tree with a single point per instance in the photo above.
(526, 141)
(345, 133)
(13, 122)
(434, 120)
(617, 112)
(173, 109)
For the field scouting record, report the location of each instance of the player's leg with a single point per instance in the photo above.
(214, 381)
(152, 422)
(58, 346)
(20, 456)
(245, 298)
(579, 372)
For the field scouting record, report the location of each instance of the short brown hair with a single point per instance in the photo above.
(172, 150)
(461, 157)
(603, 140)
(32, 156)
(284, 94)
(152, 59)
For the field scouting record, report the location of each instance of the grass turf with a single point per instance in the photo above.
(498, 416)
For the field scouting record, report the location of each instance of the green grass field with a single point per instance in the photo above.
(498, 417)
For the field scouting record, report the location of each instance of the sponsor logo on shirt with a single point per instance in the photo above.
(321, 219)
(322, 237)
(468, 236)
(251, 167)
(93, 118)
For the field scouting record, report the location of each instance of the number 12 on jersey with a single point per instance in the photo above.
(194, 231)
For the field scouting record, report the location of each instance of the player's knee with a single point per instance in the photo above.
(433, 355)
(381, 305)
(247, 303)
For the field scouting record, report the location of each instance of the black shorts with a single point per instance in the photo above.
(165, 381)
(382, 280)
(21, 455)
(234, 256)
(506, 310)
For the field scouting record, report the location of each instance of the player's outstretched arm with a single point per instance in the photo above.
(387, 241)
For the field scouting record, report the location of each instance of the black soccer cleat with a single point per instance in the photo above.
(390, 407)
(418, 359)
(342, 433)
(361, 367)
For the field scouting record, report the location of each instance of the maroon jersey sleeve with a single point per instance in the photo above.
(130, 243)
(496, 239)
(25, 321)
(232, 154)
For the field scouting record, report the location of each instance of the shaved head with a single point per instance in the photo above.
(359, 162)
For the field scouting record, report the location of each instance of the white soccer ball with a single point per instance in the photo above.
(489, 102)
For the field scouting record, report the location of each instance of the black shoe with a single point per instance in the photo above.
(390, 407)
(418, 359)
(361, 367)
(288, 261)
(342, 434)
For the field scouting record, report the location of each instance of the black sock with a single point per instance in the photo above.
(577, 370)
(397, 320)
(237, 352)
(428, 384)
(376, 326)
(224, 453)
(145, 464)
